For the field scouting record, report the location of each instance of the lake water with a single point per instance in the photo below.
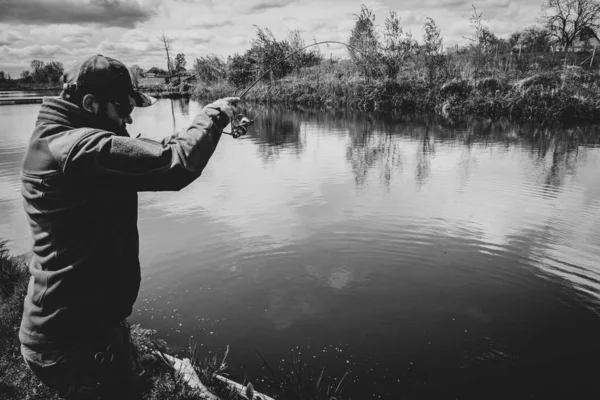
(428, 259)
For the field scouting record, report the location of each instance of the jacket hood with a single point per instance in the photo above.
(62, 112)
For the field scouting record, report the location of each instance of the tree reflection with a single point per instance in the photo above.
(425, 154)
(182, 106)
(274, 130)
(376, 142)
(367, 150)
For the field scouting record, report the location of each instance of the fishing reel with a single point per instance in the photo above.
(239, 126)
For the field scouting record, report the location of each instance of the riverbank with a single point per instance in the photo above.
(562, 95)
(570, 94)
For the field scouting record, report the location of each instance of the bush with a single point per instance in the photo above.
(455, 87)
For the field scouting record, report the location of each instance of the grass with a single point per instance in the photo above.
(298, 383)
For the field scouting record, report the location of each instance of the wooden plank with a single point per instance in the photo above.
(33, 100)
(189, 375)
(185, 367)
(241, 389)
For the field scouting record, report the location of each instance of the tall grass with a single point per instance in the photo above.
(297, 382)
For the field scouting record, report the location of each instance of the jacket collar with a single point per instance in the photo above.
(62, 112)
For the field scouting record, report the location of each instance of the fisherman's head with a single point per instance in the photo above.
(103, 87)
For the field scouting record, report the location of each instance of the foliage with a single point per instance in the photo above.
(483, 39)
(26, 75)
(4, 76)
(157, 71)
(210, 68)
(303, 57)
(534, 39)
(267, 53)
(45, 73)
(565, 20)
(431, 50)
(136, 73)
(365, 39)
(242, 68)
(180, 62)
(397, 47)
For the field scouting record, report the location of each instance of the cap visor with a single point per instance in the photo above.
(138, 99)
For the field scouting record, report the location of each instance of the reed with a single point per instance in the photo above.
(297, 382)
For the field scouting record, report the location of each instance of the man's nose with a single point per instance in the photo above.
(128, 119)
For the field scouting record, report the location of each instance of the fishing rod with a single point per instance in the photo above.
(243, 122)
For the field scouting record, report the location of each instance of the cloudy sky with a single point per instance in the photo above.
(67, 30)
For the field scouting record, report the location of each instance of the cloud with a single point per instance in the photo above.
(70, 34)
(9, 37)
(211, 24)
(130, 47)
(264, 5)
(36, 51)
(122, 13)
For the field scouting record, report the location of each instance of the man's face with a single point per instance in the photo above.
(113, 115)
(117, 114)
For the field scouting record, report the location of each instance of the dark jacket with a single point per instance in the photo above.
(80, 186)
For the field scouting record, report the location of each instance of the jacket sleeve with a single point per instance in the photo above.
(104, 160)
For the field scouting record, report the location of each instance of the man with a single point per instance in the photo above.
(80, 179)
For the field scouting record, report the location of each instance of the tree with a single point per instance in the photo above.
(304, 58)
(136, 73)
(209, 68)
(3, 76)
(53, 72)
(397, 46)
(37, 71)
(432, 48)
(157, 71)
(180, 62)
(26, 76)
(565, 20)
(534, 38)
(167, 43)
(242, 68)
(364, 39)
(269, 51)
(483, 39)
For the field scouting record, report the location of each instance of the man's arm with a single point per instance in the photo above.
(117, 162)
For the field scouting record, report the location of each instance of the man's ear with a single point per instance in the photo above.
(90, 103)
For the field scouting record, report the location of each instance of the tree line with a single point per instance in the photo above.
(375, 54)
(39, 72)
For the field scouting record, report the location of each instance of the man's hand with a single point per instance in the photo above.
(229, 106)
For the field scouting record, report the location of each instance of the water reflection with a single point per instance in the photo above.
(276, 129)
(182, 106)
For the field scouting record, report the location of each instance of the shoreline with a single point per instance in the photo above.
(570, 94)
(563, 95)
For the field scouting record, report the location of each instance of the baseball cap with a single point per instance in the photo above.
(107, 77)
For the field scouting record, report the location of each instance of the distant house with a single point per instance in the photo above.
(586, 40)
